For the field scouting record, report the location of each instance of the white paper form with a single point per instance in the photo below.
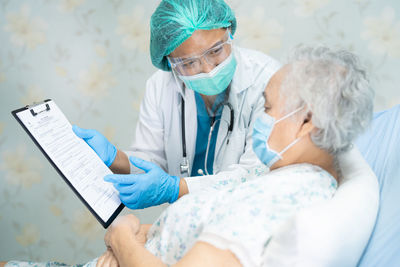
(74, 158)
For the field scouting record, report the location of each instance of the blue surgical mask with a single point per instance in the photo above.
(214, 82)
(261, 132)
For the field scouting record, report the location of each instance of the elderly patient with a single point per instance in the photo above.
(315, 106)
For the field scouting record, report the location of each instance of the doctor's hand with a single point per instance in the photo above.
(139, 191)
(103, 148)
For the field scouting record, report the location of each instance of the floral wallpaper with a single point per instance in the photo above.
(92, 58)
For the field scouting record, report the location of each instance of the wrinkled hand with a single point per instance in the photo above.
(121, 229)
(138, 191)
(141, 235)
(103, 148)
(108, 259)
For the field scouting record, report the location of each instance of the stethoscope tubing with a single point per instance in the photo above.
(185, 164)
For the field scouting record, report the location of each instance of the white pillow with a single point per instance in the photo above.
(336, 232)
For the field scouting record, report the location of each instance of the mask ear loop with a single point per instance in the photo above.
(295, 141)
(289, 146)
(289, 114)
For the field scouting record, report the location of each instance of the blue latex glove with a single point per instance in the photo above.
(103, 148)
(139, 191)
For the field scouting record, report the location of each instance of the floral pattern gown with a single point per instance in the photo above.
(239, 212)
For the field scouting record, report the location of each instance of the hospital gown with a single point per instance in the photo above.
(243, 216)
(240, 213)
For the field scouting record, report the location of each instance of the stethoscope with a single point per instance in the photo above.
(185, 168)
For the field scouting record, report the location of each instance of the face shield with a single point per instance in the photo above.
(190, 69)
(189, 66)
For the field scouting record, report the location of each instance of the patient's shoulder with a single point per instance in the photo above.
(301, 171)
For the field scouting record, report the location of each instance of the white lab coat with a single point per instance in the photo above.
(158, 131)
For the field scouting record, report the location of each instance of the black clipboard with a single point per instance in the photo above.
(46, 108)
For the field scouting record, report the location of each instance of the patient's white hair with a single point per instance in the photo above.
(333, 86)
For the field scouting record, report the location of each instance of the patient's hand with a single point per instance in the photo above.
(125, 229)
(108, 259)
(141, 236)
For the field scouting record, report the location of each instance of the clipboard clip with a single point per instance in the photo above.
(35, 104)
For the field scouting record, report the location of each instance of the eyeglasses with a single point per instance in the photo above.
(213, 56)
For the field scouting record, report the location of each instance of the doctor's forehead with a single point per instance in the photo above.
(200, 41)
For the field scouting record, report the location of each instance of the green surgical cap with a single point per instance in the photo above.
(174, 21)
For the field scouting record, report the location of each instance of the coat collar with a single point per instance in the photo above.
(244, 75)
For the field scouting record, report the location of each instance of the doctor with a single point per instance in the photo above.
(198, 109)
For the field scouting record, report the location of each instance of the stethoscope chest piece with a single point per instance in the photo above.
(185, 166)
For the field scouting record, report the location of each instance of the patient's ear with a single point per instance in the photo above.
(307, 127)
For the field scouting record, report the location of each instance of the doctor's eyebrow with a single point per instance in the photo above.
(214, 45)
